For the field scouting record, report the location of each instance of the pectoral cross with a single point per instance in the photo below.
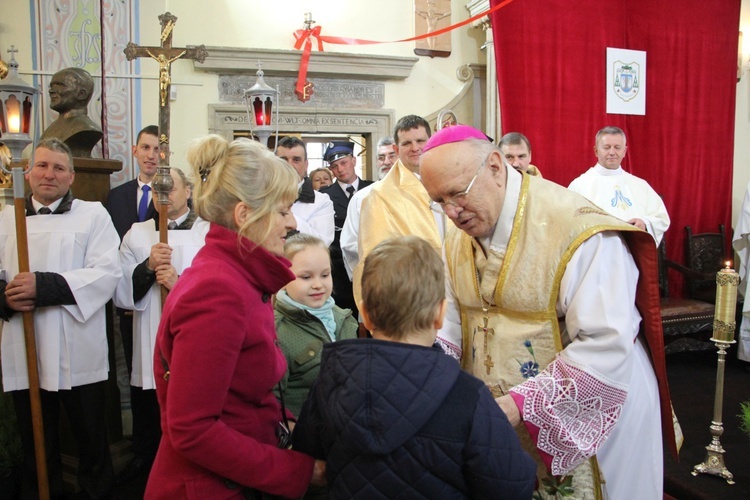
(485, 328)
(488, 363)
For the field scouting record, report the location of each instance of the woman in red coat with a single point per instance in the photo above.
(217, 340)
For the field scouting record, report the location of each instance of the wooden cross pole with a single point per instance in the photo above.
(165, 55)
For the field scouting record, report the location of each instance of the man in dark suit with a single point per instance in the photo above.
(341, 161)
(127, 204)
(124, 202)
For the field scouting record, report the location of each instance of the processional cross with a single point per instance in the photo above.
(165, 55)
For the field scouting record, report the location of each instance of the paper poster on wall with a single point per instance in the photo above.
(626, 81)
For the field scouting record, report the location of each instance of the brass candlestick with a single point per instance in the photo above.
(723, 336)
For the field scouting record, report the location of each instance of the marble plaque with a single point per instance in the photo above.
(331, 93)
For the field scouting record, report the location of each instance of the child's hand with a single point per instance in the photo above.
(510, 409)
(319, 474)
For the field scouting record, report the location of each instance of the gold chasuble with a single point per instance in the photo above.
(396, 206)
(510, 327)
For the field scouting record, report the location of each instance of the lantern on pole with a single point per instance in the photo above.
(17, 101)
(261, 103)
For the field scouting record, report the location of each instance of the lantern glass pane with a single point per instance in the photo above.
(13, 107)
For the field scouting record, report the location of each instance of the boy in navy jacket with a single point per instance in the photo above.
(396, 417)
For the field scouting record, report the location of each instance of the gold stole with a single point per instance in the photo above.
(511, 331)
(396, 206)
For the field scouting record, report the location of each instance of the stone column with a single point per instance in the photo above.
(493, 126)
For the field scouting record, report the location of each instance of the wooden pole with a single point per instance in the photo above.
(163, 185)
(19, 203)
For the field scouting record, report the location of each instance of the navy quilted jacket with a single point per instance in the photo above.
(398, 420)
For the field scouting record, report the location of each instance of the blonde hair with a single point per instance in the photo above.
(239, 171)
(403, 284)
(324, 170)
(301, 241)
(5, 155)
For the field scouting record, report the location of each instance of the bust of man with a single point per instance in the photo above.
(70, 92)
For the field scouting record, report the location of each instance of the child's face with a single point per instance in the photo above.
(313, 285)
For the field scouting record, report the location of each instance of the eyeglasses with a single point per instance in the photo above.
(459, 200)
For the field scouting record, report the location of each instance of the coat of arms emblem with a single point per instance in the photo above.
(627, 80)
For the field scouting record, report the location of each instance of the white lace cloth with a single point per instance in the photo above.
(574, 410)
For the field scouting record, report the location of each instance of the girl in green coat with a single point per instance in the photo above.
(307, 317)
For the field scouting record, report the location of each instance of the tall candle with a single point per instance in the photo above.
(727, 280)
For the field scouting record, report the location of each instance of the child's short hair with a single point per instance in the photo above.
(403, 283)
(299, 241)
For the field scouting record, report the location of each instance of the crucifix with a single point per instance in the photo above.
(165, 55)
(485, 328)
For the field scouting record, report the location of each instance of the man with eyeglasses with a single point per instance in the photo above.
(399, 205)
(618, 192)
(541, 287)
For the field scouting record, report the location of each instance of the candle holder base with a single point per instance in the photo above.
(714, 463)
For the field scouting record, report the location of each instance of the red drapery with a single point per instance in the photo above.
(551, 57)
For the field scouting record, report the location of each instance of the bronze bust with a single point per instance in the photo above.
(70, 92)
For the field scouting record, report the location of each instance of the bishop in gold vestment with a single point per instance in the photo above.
(553, 311)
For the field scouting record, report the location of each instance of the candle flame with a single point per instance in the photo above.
(14, 123)
(728, 264)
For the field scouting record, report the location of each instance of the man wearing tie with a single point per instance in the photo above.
(127, 204)
(74, 271)
(147, 264)
(341, 161)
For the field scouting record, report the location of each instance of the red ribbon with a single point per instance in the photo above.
(304, 36)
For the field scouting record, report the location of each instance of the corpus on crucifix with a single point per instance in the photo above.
(165, 55)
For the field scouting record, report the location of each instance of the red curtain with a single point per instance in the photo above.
(551, 58)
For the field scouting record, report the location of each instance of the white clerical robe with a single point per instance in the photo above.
(597, 301)
(316, 218)
(625, 196)
(741, 244)
(349, 240)
(80, 245)
(135, 248)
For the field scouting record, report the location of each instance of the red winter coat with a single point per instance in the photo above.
(218, 411)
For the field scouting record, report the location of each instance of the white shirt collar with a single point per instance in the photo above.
(52, 207)
(602, 170)
(344, 185)
(501, 234)
(179, 220)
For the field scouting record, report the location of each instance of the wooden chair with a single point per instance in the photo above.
(705, 254)
(685, 321)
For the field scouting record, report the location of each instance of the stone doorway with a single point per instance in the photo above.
(370, 124)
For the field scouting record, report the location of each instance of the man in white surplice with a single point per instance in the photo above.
(74, 271)
(618, 192)
(146, 265)
(541, 292)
